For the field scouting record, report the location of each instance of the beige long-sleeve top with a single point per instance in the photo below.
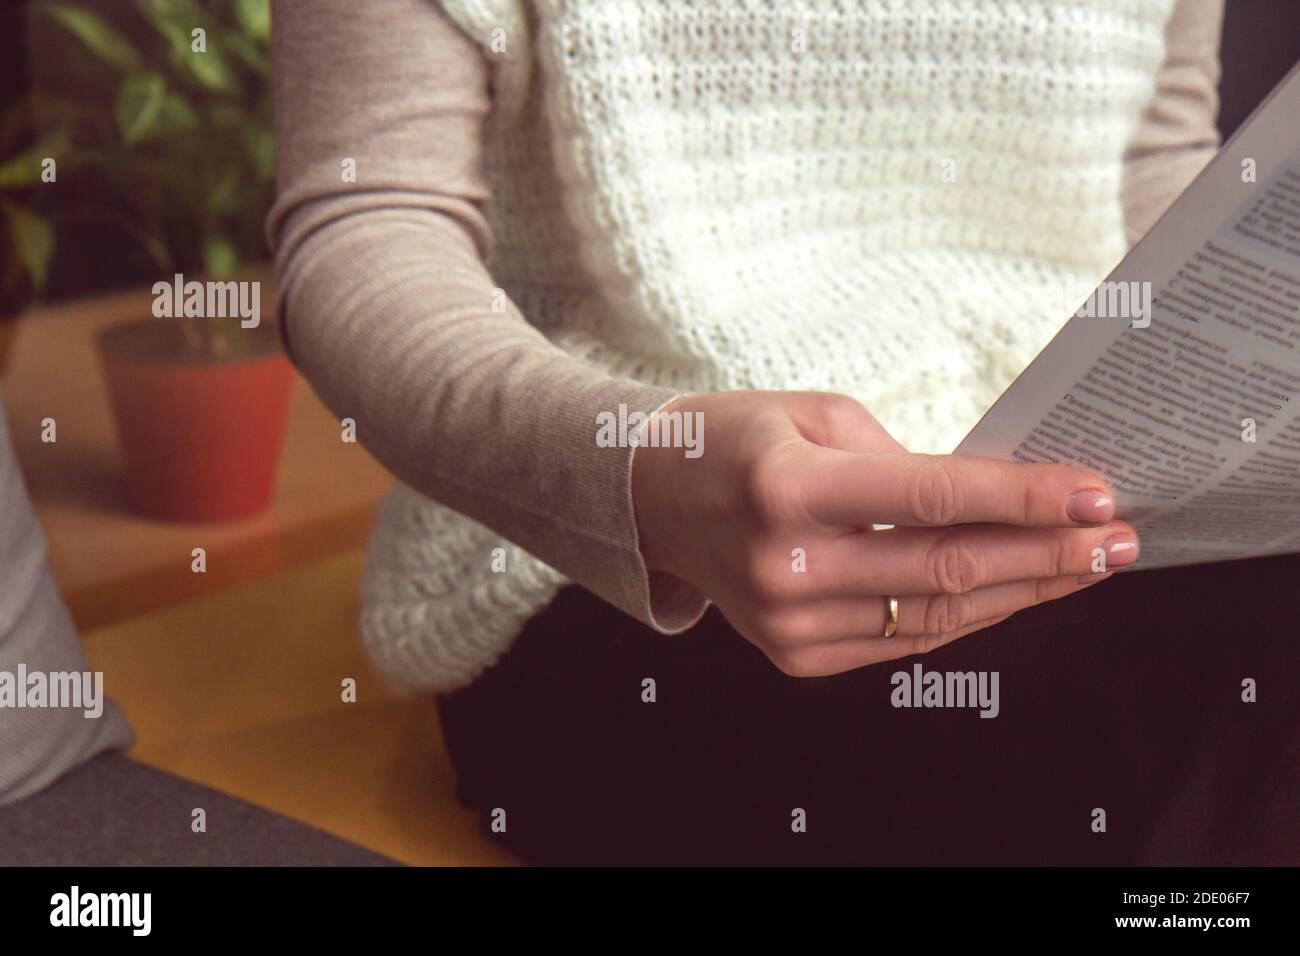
(390, 312)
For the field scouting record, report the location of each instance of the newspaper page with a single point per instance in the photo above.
(1178, 379)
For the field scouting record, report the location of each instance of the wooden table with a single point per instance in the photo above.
(111, 563)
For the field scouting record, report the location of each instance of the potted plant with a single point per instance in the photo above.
(26, 237)
(200, 389)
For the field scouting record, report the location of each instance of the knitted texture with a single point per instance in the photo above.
(872, 198)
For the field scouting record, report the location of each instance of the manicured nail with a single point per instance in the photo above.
(1086, 579)
(1090, 506)
(1121, 550)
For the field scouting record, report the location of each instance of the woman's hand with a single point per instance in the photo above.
(773, 523)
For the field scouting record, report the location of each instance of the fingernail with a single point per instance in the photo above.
(1121, 550)
(1090, 506)
(1084, 580)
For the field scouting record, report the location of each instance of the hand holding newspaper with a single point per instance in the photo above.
(1179, 379)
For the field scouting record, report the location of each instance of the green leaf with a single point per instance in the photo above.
(246, 52)
(176, 10)
(33, 241)
(139, 101)
(220, 257)
(212, 70)
(261, 150)
(176, 20)
(95, 33)
(254, 18)
(176, 116)
(24, 168)
(174, 16)
(176, 35)
(219, 196)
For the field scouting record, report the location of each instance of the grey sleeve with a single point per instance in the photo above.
(389, 309)
(38, 639)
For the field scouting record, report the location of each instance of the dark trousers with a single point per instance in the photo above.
(1126, 698)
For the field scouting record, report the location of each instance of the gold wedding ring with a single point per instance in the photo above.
(891, 616)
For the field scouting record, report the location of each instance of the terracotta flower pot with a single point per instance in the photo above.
(201, 437)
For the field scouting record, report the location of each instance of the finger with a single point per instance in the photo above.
(820, 622)
(956, 560)
(857, 490)
(822, 660)
(850, 653)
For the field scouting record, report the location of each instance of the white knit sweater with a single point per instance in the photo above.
(868, 198)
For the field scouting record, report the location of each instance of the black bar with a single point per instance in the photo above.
(475, 905)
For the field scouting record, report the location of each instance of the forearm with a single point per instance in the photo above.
(1176, 135)
(390, 316)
